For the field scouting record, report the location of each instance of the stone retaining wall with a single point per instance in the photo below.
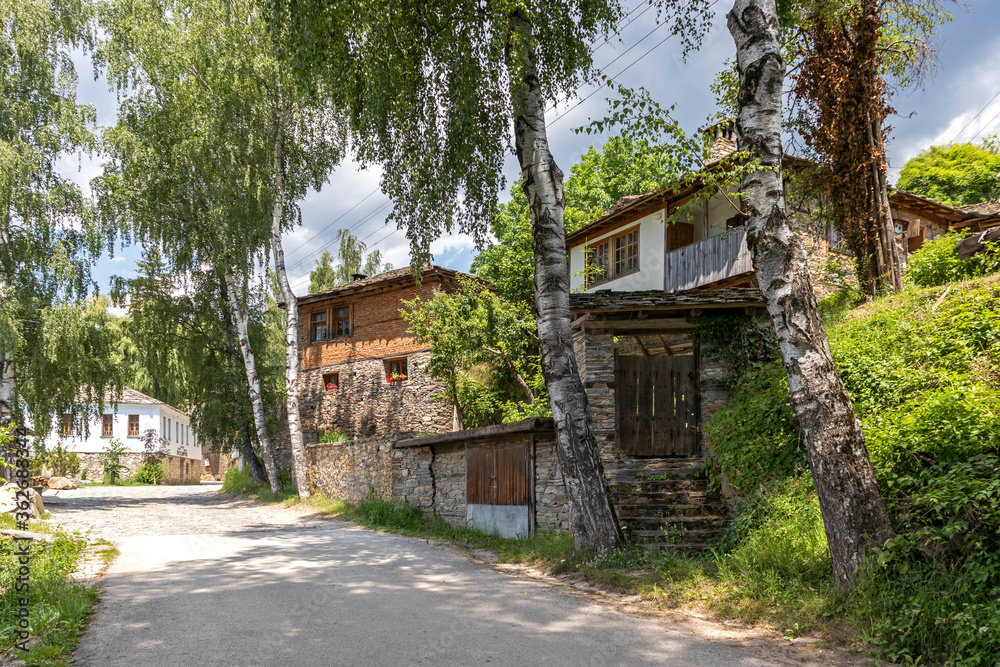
(179, 470)
(433, 477)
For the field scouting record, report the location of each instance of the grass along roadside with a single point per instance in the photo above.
(60, 605)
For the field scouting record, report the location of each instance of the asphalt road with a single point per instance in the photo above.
(318, 593)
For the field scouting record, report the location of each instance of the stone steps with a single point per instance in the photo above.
(666, 503)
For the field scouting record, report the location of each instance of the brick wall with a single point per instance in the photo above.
(365, 403)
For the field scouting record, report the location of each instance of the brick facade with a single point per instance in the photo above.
(364, 402)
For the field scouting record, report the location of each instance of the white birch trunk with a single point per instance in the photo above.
(253, 383)
(300, 461)
(593, 522)
(854, 515)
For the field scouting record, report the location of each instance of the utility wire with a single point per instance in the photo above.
(966, 126)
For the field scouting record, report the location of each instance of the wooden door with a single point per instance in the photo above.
(679, 234)
(657, 405)
(498, 489)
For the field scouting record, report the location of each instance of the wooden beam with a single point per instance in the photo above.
(666, 348)
(642, 347)
(578, 322)
(656, 324)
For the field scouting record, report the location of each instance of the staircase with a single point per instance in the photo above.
(666, 503)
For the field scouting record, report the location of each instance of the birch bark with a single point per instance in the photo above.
(245, 445)
(594, 525)
(253, 382)
(854, 515)
(300, 462)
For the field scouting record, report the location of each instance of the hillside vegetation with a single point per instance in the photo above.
(923, 370)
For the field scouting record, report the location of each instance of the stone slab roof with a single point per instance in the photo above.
(608, 301)
(374, 283)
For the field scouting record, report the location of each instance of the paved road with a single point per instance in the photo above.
(205, 580)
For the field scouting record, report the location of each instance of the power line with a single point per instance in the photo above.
(975, 117)
(335, 220)
(355, 226)
(986, 127)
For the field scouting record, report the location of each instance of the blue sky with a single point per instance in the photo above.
(966, 82)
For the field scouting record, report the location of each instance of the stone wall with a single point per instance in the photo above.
(433, 477)
(355, 469)
(179, 470)
(365, 403)
(595, 359)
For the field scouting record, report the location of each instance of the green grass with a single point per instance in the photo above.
(59, 607)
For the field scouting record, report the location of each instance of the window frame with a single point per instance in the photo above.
(331, 378)
(404, 369)
(107, 426)
(611, 266)
(133, 420)
(67, 426)
(335, 320)
(325, 324)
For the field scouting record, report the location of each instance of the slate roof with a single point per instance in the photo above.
(381, 281)
(982, 208)
(608, 301)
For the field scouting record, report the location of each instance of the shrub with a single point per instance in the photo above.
(59, 461)
(754, 438)
(332, 435)
(937, 263)
(150, 472)
(111, 461)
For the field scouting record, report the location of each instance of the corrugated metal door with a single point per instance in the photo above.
(657, 405)
(498, 489)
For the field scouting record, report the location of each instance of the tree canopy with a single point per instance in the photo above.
(954, 174)
(351, 259)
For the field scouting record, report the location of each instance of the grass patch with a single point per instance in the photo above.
(239, 483)
(59, 606)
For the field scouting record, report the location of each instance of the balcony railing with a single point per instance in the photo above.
(709, 261)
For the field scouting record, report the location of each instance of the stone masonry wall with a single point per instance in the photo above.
(365, 403)
(595, 358)
(179, 470)
(433, 477)
(354, 469)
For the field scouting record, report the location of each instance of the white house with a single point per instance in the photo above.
(136, 414)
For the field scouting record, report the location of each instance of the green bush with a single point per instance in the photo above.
(937, 263)
(111, 461)
(60, 462)
(150, 472)
(754, 438)
(332, 435)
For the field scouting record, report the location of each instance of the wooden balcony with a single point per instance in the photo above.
(713, 260)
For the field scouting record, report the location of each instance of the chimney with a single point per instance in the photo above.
(358, 276)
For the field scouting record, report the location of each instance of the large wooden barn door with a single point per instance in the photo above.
(657, 404)
(498, 489)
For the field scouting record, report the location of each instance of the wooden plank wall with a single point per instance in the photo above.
(708, 261)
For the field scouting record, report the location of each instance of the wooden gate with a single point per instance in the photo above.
(657, 405)
(498, 489)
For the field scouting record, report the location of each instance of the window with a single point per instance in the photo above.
(395, 370)
(317, 327)
(597, 264)
(837, 241)
(613, 257)
(133, 426)
(107, 426)
(342, 321)
(331, 381)
(67, 425)
(627, 252)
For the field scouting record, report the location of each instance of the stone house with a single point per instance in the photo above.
(362, 371)
(129, 420)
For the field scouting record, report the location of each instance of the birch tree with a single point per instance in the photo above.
(437, 94)
(257, 141)
(54, 340)
(854, 514)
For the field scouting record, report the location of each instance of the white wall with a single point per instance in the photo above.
(150, 417)
(652, 240)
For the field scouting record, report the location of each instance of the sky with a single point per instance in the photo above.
(959, 101)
